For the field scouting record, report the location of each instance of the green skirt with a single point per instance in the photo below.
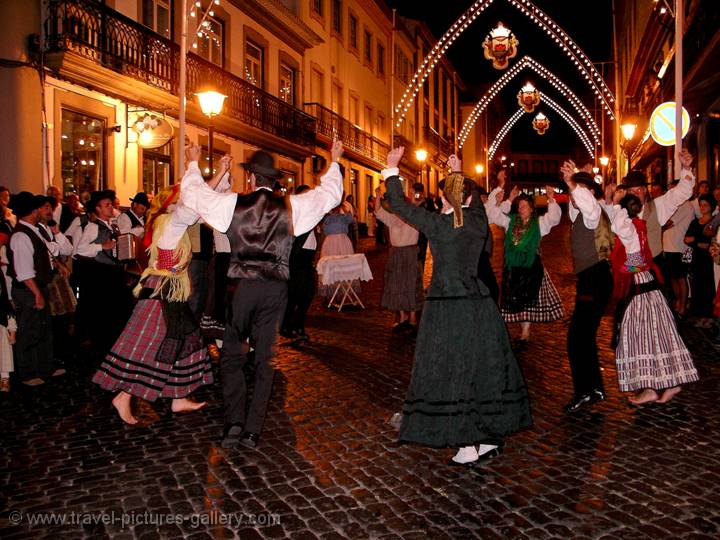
(466, 387)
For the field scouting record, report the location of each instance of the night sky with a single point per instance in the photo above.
(592, 33)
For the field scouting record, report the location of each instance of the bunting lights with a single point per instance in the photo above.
(541, 123)
(587, 143)
(556, 34)
(500, 45)
(528, 97)
(527, 62)
(504, 131)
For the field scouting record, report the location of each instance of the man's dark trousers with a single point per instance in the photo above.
(594, 287)
(256, 311)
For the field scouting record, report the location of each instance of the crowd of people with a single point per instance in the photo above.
(200, 272)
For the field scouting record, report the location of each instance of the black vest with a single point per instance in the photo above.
(41, 257)
(260, 237)
(105, 256)
(134, 221)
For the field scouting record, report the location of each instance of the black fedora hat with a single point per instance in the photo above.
(586, 179)
(24, 203)
(141, 198)
(633, 179)
(263, 164)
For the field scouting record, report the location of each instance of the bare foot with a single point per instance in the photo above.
(121, 402)
(646, 396)
(668, 394)
(184, 405)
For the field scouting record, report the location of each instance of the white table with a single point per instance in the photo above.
(342, 270)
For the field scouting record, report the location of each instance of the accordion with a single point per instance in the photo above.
(126, 247)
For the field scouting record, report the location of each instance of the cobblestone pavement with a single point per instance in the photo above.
(328, 465)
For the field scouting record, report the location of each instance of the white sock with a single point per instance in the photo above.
(485, 448)
(466, 454)
(219, 343)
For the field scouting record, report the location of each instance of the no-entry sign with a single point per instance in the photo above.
(662, 123)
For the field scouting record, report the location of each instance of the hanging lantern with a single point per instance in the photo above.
(500, 45)
(528, 97)
(541, 123)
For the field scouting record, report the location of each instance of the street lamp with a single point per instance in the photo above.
(421, 155)
(604, 160)
(628, 132)
(211, 103)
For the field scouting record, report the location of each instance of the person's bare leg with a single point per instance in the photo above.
(525, 330)
(186, 405)
(413, 318)
(646, 396)
(668, 394)
(121, 402)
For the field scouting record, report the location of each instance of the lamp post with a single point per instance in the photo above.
(421, 156)
(211, 103)
(628, 132)
(479, 169)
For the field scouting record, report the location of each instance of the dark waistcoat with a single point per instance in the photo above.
(105, 256)
(41, 257)
(260, 237)
(134, 221)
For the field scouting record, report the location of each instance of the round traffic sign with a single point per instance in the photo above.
(662, 123)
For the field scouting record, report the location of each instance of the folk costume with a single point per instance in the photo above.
(160, 352)
(466, 386)
(650, 353)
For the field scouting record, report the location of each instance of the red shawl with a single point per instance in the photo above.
(622, 273)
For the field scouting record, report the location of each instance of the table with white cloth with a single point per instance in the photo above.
(342, 270)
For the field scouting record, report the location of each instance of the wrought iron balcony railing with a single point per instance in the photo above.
(333, 125)
(438, 144)
(116, 42)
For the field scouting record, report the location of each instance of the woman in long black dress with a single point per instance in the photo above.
(703, 279)
(467, 389)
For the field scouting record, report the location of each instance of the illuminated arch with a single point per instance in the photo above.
(559, 110)
(528, 62)
(557, 34)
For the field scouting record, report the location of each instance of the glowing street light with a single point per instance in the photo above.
(604, 160)
(211, 103)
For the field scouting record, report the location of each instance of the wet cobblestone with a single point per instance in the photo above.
(329, 466)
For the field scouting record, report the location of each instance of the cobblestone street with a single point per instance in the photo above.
(328, 465)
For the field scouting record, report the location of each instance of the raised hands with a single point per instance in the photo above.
(501, 178)
(336, 151)
(618, 195)
(550, 192)
(394, 157)
(514, 192)
(567, 170)
(686, 158)
(499, 198)
(225, 163)
(455, 163)
(192, 152)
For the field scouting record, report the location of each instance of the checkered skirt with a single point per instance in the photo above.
(136, 363)
(547, 307)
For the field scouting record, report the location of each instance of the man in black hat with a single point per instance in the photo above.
(31, 268)
(133, 220)
(592, 241)
(656, 212)
(260, 227)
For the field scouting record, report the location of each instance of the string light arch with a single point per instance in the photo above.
(526, 62)
(557, 35)
(558, 109)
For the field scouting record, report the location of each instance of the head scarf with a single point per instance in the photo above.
(453, 192)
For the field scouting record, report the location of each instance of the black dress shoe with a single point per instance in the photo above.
(585, 400)
(249, 440)
(231, 435)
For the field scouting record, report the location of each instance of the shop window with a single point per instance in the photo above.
(210, 40)
(82, 153)
(157, 170)
(156, 15)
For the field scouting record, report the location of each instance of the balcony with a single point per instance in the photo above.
(92, 31)
(331, 125)
(437, 145)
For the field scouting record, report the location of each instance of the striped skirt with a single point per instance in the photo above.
(401, 292)
(148, 363)
(547, 307)
(650, 352)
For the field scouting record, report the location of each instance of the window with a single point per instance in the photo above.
(317, 83)
(380, 125)
(254, 64)
(210, 40)
(156, 15)
(354, 110)
(82, 153)
(336, 104)
(352, 31)
(381, 59)
(157, 168)
(368, 119)
(403, 68)
(337, 16)
(368, 47)
(287, 84)
(317, 7)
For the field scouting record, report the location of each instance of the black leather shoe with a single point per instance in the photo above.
(231, 435)
(249, 440)
(585, 400)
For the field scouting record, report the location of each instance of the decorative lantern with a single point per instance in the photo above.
(541, 123)
(500, 45)
(528, 97)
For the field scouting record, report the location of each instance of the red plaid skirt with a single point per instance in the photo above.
(134, 364)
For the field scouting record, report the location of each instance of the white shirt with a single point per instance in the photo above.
(546, 222)
(23, 251)
(310, 241)
(59, 243)
(74, 232)
(625, 230)
(198, 200)
(505, 206)
(587, 205)
(125, 225)
(86, 246)
(57, 212)
(674, 237)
